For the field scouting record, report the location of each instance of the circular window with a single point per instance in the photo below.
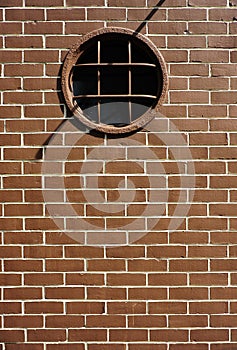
(113, 79)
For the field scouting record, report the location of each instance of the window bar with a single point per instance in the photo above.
(130, 80)
(98, 84)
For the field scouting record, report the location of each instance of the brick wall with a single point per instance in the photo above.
(169, 289)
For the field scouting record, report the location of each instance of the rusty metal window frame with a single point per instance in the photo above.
(71, 63)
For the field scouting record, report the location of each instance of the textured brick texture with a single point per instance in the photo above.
(168, 290)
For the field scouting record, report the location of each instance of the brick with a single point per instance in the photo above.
(12, 335)
(191, 41)
(106, 293)
(223, 125)
(44, 3)
(22, 97)
(209, 83)
(43, 28)
(224, 182)
(224, 70)
(147, 321)
(206, 3)
(10, 56)
(43, 252)
(141, 14)
(28, 346)
(23, 265)
(81, 27)
(189, 70)
(84, 279)
(226, 14)
(10, 279)
(41, 84)
(168, 307)
(168, 279)
(209, 56)
(23, 321)
(168, 252)
(126, 279)
(175, 56)
(209, 335)
(167, 28)
(23, 210)
(23, 238)
(186, 293)
(210, 196)
(208, 279)
(207, 224)
(10, 112)
(207, 28)
(24, 41)
(22, 181)
(50, 335)
(147, 265)
(208, 139)
(22, 293)
(147, 293)
(190, 321)
(172, 335)
(128, 335)
(10, 168)
(187, 14)
(219, 97)
(64, 293)
(209, 307)
(23, 70)
(106, 321)
(66, 14)
(126, 307)
(59, 265)
(223, 293)
(87, 335)
(45, 279)
(65, 346)
(189, 97)
(27, 125)
(44, 307)
(222, 41)
(207, 251)
(85, 307)
(13, 224)
(24, 15)
(64, 321)
(189, 346)
(10, 307)
(207, 111)
(10, 83)
(40, 56)
(10, 3)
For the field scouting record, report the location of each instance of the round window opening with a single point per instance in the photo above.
(114, 79)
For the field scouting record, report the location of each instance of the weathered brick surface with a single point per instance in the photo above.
(167, 289)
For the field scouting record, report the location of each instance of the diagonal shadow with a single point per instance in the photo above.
(151, 14)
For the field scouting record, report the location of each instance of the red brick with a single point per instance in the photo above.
(43, 28)
(169, 335)
(128, 335)
(222, 41)
(209, 56)
(28, 346)
(50, 335)
(208, 279)
(66, 14)
(209, 335)
(23, 321)
(44, 307)
(10, 307)
(187, 14)
(22, 293)
(85, 307)
(10, 3)
(64, 321)
(190, 321)
(22, 97)
(209, 307)
(10, 279)
(87, 335)
(147, 293)
(84, 279)
(10, 83)
(24, 41)
(7, 336)
(11, 28)
(64, 293)
(191, 41)
(207, 28)
(186, 293)
(24, 15)
(44, 3)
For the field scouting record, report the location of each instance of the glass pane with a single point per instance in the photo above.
(89, 107)
(114, 51)
(139, 106)
(114, 80)
(85, 81)
(115, 112)
(144, 81)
